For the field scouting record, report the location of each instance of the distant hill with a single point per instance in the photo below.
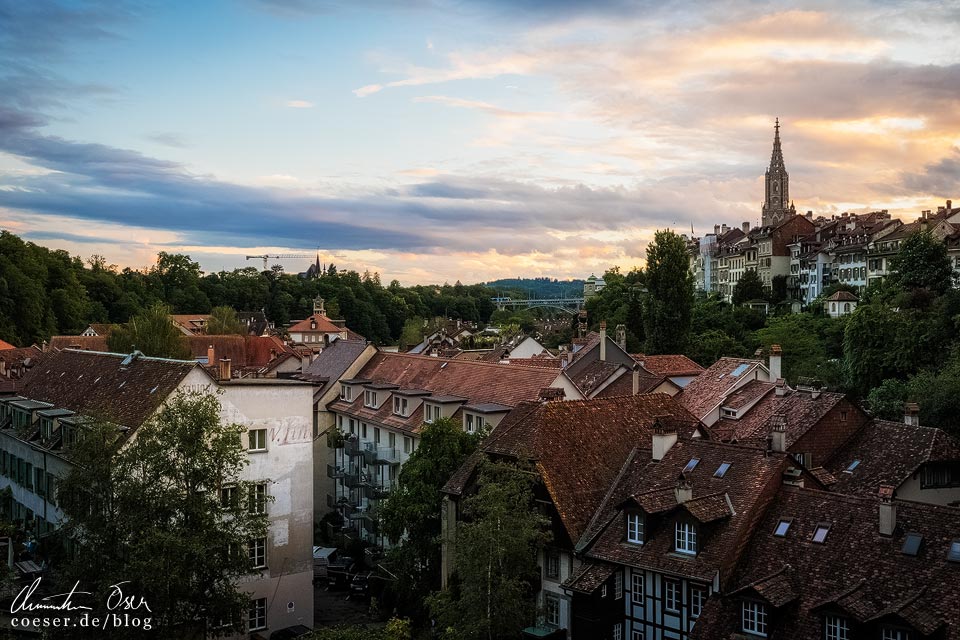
(537, 287)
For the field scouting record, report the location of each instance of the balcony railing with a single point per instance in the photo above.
(354, 480)
(335, 471)
(372, 454)
(379, 491)
(352, 448)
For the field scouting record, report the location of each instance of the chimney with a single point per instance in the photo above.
(636, 378)
(781, 388)
(778, 433)
(683, 491)
(949, 205)
(3, 369)
(745, 227)
(888, 511)
(225, 369)
(564, 359)
(724, 228)
(716, 229)
(622, 337)
(663, 439)
(210, 354)
(776, 360)
(911, 414)
(603, 341)
(809, 215)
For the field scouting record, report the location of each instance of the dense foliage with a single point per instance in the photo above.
(667, 306)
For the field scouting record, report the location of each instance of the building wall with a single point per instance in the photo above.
(829, 434)
(911, 490)
(551, 586)
(646, 611)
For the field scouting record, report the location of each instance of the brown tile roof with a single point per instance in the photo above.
(101, 386)
(101, 329)
(707, 390)
(6, 345)
(748, 394)
(855, 571)
(730, 504)
(479, 382)
(843, 296)
(669, 365)
(225, 346)
(889, 453)
(580, 446)
(800, 408)
(87, 343)
(593, 375)
(192, 322)
(537, 361)
(589, 576)
(324, 325)
(623, 386)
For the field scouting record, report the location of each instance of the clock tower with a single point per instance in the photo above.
(777, 207)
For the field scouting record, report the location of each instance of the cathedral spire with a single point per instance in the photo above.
(776, 158)
(777, 185)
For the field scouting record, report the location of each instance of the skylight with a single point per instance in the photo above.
(691, 465)
(782, 527)
(954, 554)
(853, 465)
(911, 545)
(820, 534)
(739, 370)
(722, 470)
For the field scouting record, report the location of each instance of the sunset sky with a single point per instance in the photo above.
(436, 140)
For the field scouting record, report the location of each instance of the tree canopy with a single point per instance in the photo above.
(749, 287)
(669, 301)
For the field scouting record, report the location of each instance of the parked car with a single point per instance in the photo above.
(340, 574)
(360, 585)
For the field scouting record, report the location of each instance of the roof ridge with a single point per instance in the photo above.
(124, 355)
(466, 362)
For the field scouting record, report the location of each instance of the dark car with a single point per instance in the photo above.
(360, 585)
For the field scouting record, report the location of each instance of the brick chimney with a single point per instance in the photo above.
(778, 433)
(888, 511)
(776, 361)
(225, 372)
(911, 414)
(210, 356)
(603, 341)
(663, 439)
(684, 490)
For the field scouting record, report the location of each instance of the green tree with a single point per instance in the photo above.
(412, 334)
(496, 560)
(152, 332)
(922, 263)
(778, 289)
(224, 321)
(708, 347)
(748, 288)
(803, 352)
(669, 302)
(166, 511)
(411, 513)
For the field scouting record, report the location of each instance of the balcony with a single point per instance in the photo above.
(379, 491)
(335, 472)
(355, 480)
(353, 448)
(372, 454)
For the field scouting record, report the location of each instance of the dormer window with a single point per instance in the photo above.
(473, 423)
(727, 412)
(431, 412)
(400, 406)
(346, 392)
(370, 399)
(685, 538)
(635, 527)
(836, 628)
(753, 618)
(893, 633)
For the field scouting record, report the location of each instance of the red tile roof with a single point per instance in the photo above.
(710, 387)
(623, 386)
(6, 345)
(324, 325)
(87, 343)
(668, 365)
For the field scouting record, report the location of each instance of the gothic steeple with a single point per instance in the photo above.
(777, 185)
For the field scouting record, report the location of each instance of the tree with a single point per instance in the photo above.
(412, 333)
(669, 303)
(411, 513)
(224, 321)
(496, 561)
(166, 511)
(778, 289)
(922, 263)
(151, 332)
(748, 288)
(803, 352)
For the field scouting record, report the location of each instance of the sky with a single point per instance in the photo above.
(443, 140)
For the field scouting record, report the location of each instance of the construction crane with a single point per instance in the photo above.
(281, 256)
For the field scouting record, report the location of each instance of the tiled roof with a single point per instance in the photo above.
(669, 365)
(324, 325)
(333, 361)
(706, 390)
(589, 576)
(801, 409)
(479, 382)
(843, 296)
(580, 446)
(224, 346)
(855, 571)
(623, 386)
(748, 394)
(889, 453)
(592, 375)
(101, 386)
(537, 361)
(88, 343)
(6, 345)
(730, 504)
(194, 322)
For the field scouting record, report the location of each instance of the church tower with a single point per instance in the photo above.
(777, 207)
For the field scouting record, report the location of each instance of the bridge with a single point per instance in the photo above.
(567, 305)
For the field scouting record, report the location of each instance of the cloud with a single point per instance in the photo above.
(299, 104)
(367, 90)
(167, 139)
(479, 105)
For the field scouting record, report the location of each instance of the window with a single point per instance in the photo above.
(553, 563)
(346, 392)
(836, 628)
(850, 467)
(635, 528)
(691, 465)
(228, 497)
(728, 413)
(603, 590)
(782, 527)
(552, 610)
(473, 423)
(370, 399)
(671, 595)
(820, 533)
(801, 459)
(400, 406)
(618, 631)
(636, 634)
(685, 540)
(258, 498)
(953, 555)
(636, 587)
(363, 430)
(376, 435)
(407, 444)
(939, 476)
(618, 585)
(911, 544)
(257, 552)
(698, 595)
(754, 618)
(891, 633)
(392, 438)
(722, 470)
(257, 440)
(257, 614)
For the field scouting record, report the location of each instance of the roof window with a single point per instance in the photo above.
(722, 470)
(820, 533)
(782, 527)
(739, 370)
(911, 545)
(853, 465)
(954, 554)
(691, 465)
